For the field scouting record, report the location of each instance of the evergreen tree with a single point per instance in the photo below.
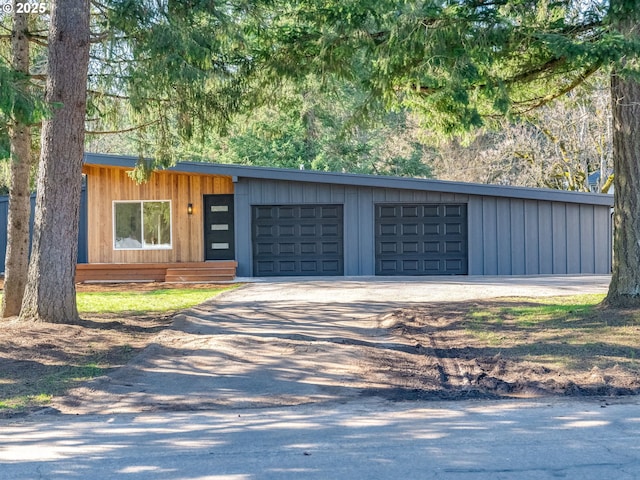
(175, 69)
(21, 108)
(50, 294)
(459, 63)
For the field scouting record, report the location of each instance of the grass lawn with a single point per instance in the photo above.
(572, 332)
(161, 300)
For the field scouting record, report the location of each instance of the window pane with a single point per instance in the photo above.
(128, 226)
(157, 224)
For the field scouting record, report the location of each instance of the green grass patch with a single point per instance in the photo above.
(552, 312)
(572, 331)
(161, 300)
(23, 402)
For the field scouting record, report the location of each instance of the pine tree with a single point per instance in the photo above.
(50, 292)
(21, 113)
(458, 64)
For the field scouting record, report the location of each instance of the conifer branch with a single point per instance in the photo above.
(124, 130)
(540, 101)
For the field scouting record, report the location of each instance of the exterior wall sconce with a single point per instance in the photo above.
(190, 208)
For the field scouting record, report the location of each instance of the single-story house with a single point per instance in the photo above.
(201, 221)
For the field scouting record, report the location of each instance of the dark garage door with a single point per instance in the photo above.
(297, 240)
(418, 239)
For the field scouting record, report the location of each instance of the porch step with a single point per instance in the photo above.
(214, 272)
(206, 272)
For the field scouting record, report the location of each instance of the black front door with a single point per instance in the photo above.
(219, 241)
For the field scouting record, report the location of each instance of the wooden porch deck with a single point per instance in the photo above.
(214, 271)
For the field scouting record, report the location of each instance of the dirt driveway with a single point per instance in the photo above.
(289, 343)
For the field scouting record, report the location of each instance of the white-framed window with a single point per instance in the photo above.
(143, 224)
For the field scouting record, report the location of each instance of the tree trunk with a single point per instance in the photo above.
(625, 282)
(17, 255)
(50, 295)
(624, 289)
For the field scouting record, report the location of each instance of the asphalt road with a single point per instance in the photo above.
(359, 440)
(346, 437)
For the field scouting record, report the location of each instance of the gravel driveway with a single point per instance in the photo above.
(275, 343)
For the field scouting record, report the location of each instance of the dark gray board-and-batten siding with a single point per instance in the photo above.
(82, 230)
(506, 236)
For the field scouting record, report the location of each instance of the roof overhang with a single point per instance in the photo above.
(377, 181)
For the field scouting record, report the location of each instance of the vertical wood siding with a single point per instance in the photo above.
(359, 233)
(507, 236)
(104, 185)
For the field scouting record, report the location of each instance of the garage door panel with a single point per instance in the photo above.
(388, 211)
(434, 243)
(410, 247)
(284, 213)
(286, 231)
(431, 247)
(308, 230)
(453, 211)
(330, 248)
(409, 229)
(452, 229)
(388, 229)
(455, 264)
(410, 212)
(431, 211)
(330, 230)
(432, 267)
(387, 247)
(307, 212)
(297, 240)
(262, 212)
(431, 229)
(334, 212)
(309, 266)
(453, 247)
(265, 249)
(309, 248)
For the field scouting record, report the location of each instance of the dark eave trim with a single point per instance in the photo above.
(374, 181)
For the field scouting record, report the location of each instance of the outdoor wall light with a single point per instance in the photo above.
(190, 208)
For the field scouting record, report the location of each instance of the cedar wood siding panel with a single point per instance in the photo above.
(106, 185)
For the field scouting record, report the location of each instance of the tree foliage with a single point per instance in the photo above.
(173, 71)
(564, 145)
(457, 63)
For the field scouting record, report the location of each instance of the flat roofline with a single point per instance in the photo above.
(377, 181)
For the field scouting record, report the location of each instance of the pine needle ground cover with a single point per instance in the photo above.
(40, 361)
